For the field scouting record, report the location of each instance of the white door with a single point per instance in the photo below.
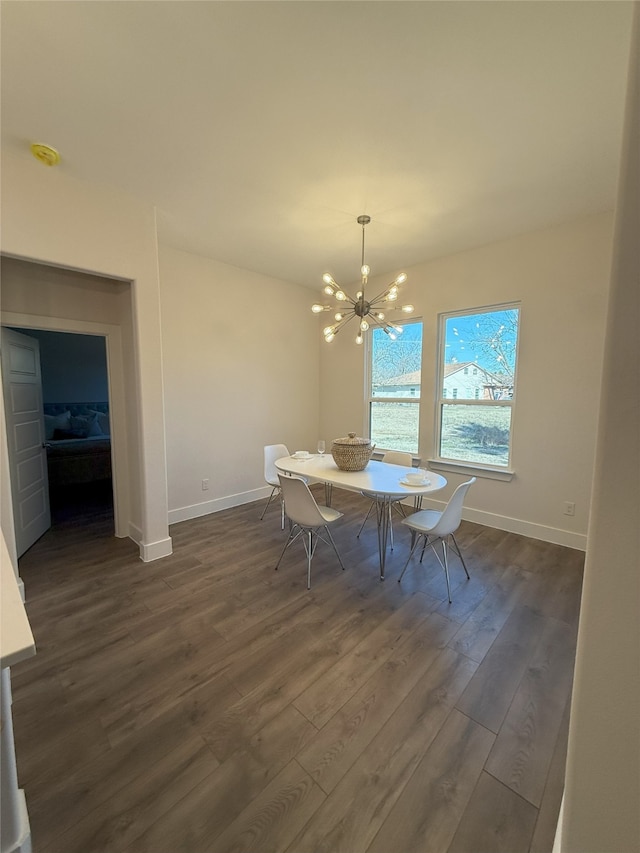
(25, 437)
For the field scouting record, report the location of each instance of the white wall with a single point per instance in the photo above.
(241, 370)
(50, 217)
(560, 275)
(602, 788)
(73, 367)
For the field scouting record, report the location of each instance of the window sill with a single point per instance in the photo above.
(472, 469)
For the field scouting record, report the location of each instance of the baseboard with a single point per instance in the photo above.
(207, 507)
(511, 525)
(543, 532)
(22, 844)
(150, 551)
(557, 841)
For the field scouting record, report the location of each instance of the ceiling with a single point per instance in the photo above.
(261, 130)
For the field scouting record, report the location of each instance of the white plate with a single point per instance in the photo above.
(301, 456)
(423, 483)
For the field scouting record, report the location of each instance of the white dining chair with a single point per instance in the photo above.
(393, 457)
(308, 519)
(272, 452)
(435, 526)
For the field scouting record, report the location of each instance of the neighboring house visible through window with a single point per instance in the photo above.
(477, 380)
(394, 387)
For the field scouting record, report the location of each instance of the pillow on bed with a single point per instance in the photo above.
(103, 421)
(94, 427)
(54, 422)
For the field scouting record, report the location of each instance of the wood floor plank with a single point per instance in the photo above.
(320, 701)
(491, 691)
(523, 750)
(198, 819)
(426, 816)
(275, 816)
(134, 807)
(89, 784)
(354, 811)
(343, 739)
(547, 821)
(479, 631)
(510, 828)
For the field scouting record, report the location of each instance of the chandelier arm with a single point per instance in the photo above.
(381, 296)
(341, 323)
(346, 320)
(379, 323)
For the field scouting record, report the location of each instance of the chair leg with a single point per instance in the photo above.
(446, 568)
(281, 511)
(273, 491)
(414, 545)
(459, 553)
(365, 520)
(309, 549)
(334, 547)
(292, 538)
(443, 562)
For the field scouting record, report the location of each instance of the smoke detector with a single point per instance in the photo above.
(45, 154)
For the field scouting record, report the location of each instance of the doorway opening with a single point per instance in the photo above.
(75, 395)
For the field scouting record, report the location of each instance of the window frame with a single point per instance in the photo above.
(439, 462)
(370, 399)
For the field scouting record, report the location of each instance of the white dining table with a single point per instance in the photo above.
(381, 480)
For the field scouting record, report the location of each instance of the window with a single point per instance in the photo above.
(394, 387)
(474, 416)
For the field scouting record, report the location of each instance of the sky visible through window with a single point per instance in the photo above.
(488, 338)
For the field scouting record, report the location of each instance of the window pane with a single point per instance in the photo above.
(395, 365)
(476, 433)
(394, 426)
(480, 355)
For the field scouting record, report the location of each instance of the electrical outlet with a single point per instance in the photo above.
(205, 485)
(569, 508)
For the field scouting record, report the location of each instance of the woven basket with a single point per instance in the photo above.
(352, 453)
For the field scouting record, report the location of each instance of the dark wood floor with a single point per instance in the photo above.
(204, 702)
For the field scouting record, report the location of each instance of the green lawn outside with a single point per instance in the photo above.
(470, 433)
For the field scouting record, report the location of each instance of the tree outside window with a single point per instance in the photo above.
(394, 387)
(474, 423)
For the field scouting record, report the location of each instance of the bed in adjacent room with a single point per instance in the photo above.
(78, 440)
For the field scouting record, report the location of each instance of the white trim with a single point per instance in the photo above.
(472, 469)
(150, 551)
(557, 841)
(185, 513)
(23, 845)
(543, 532)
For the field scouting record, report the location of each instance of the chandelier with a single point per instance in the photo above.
(364, 309)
